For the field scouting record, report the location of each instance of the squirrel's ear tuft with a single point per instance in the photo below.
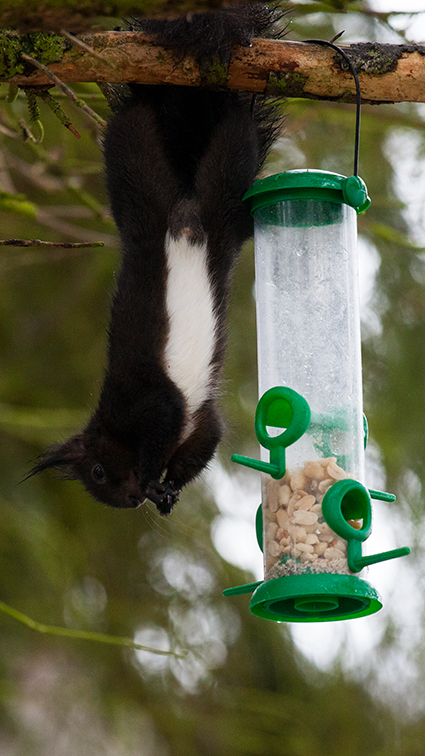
(61, 457)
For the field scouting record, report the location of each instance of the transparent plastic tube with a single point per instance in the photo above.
(308, 326)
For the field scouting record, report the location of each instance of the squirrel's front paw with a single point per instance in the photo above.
(164, 495)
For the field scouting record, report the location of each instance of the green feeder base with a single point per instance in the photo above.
(314, 597)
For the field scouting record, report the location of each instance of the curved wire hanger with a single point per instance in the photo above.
(331, 44)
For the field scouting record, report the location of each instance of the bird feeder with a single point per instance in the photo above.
(316, 511)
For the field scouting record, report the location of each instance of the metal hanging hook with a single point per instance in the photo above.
(346, 57)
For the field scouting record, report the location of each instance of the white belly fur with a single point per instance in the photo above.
(192, 323)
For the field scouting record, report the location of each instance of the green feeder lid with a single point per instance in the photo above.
(308, 184)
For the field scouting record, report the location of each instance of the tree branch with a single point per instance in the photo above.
(387, 73)
(48, 244)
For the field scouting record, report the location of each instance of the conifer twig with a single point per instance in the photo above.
(83, 46)
(40, 243)
(64, 88)
(66, 632)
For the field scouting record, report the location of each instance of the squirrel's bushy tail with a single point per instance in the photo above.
(216, 33)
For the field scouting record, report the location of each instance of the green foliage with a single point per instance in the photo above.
(17, 203)
(45, 47)
(10, 53)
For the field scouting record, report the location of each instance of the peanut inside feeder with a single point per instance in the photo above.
(297, 538)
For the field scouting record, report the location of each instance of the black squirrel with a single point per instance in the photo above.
(178, 162)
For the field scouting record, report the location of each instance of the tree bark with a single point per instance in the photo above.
(387, 73)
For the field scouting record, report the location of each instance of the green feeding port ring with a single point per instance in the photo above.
(349, 500)
(279, 407)
(308, 184)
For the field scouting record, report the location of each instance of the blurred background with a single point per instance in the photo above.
(247, 686)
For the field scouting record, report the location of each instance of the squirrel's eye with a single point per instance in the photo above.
(98, 473)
